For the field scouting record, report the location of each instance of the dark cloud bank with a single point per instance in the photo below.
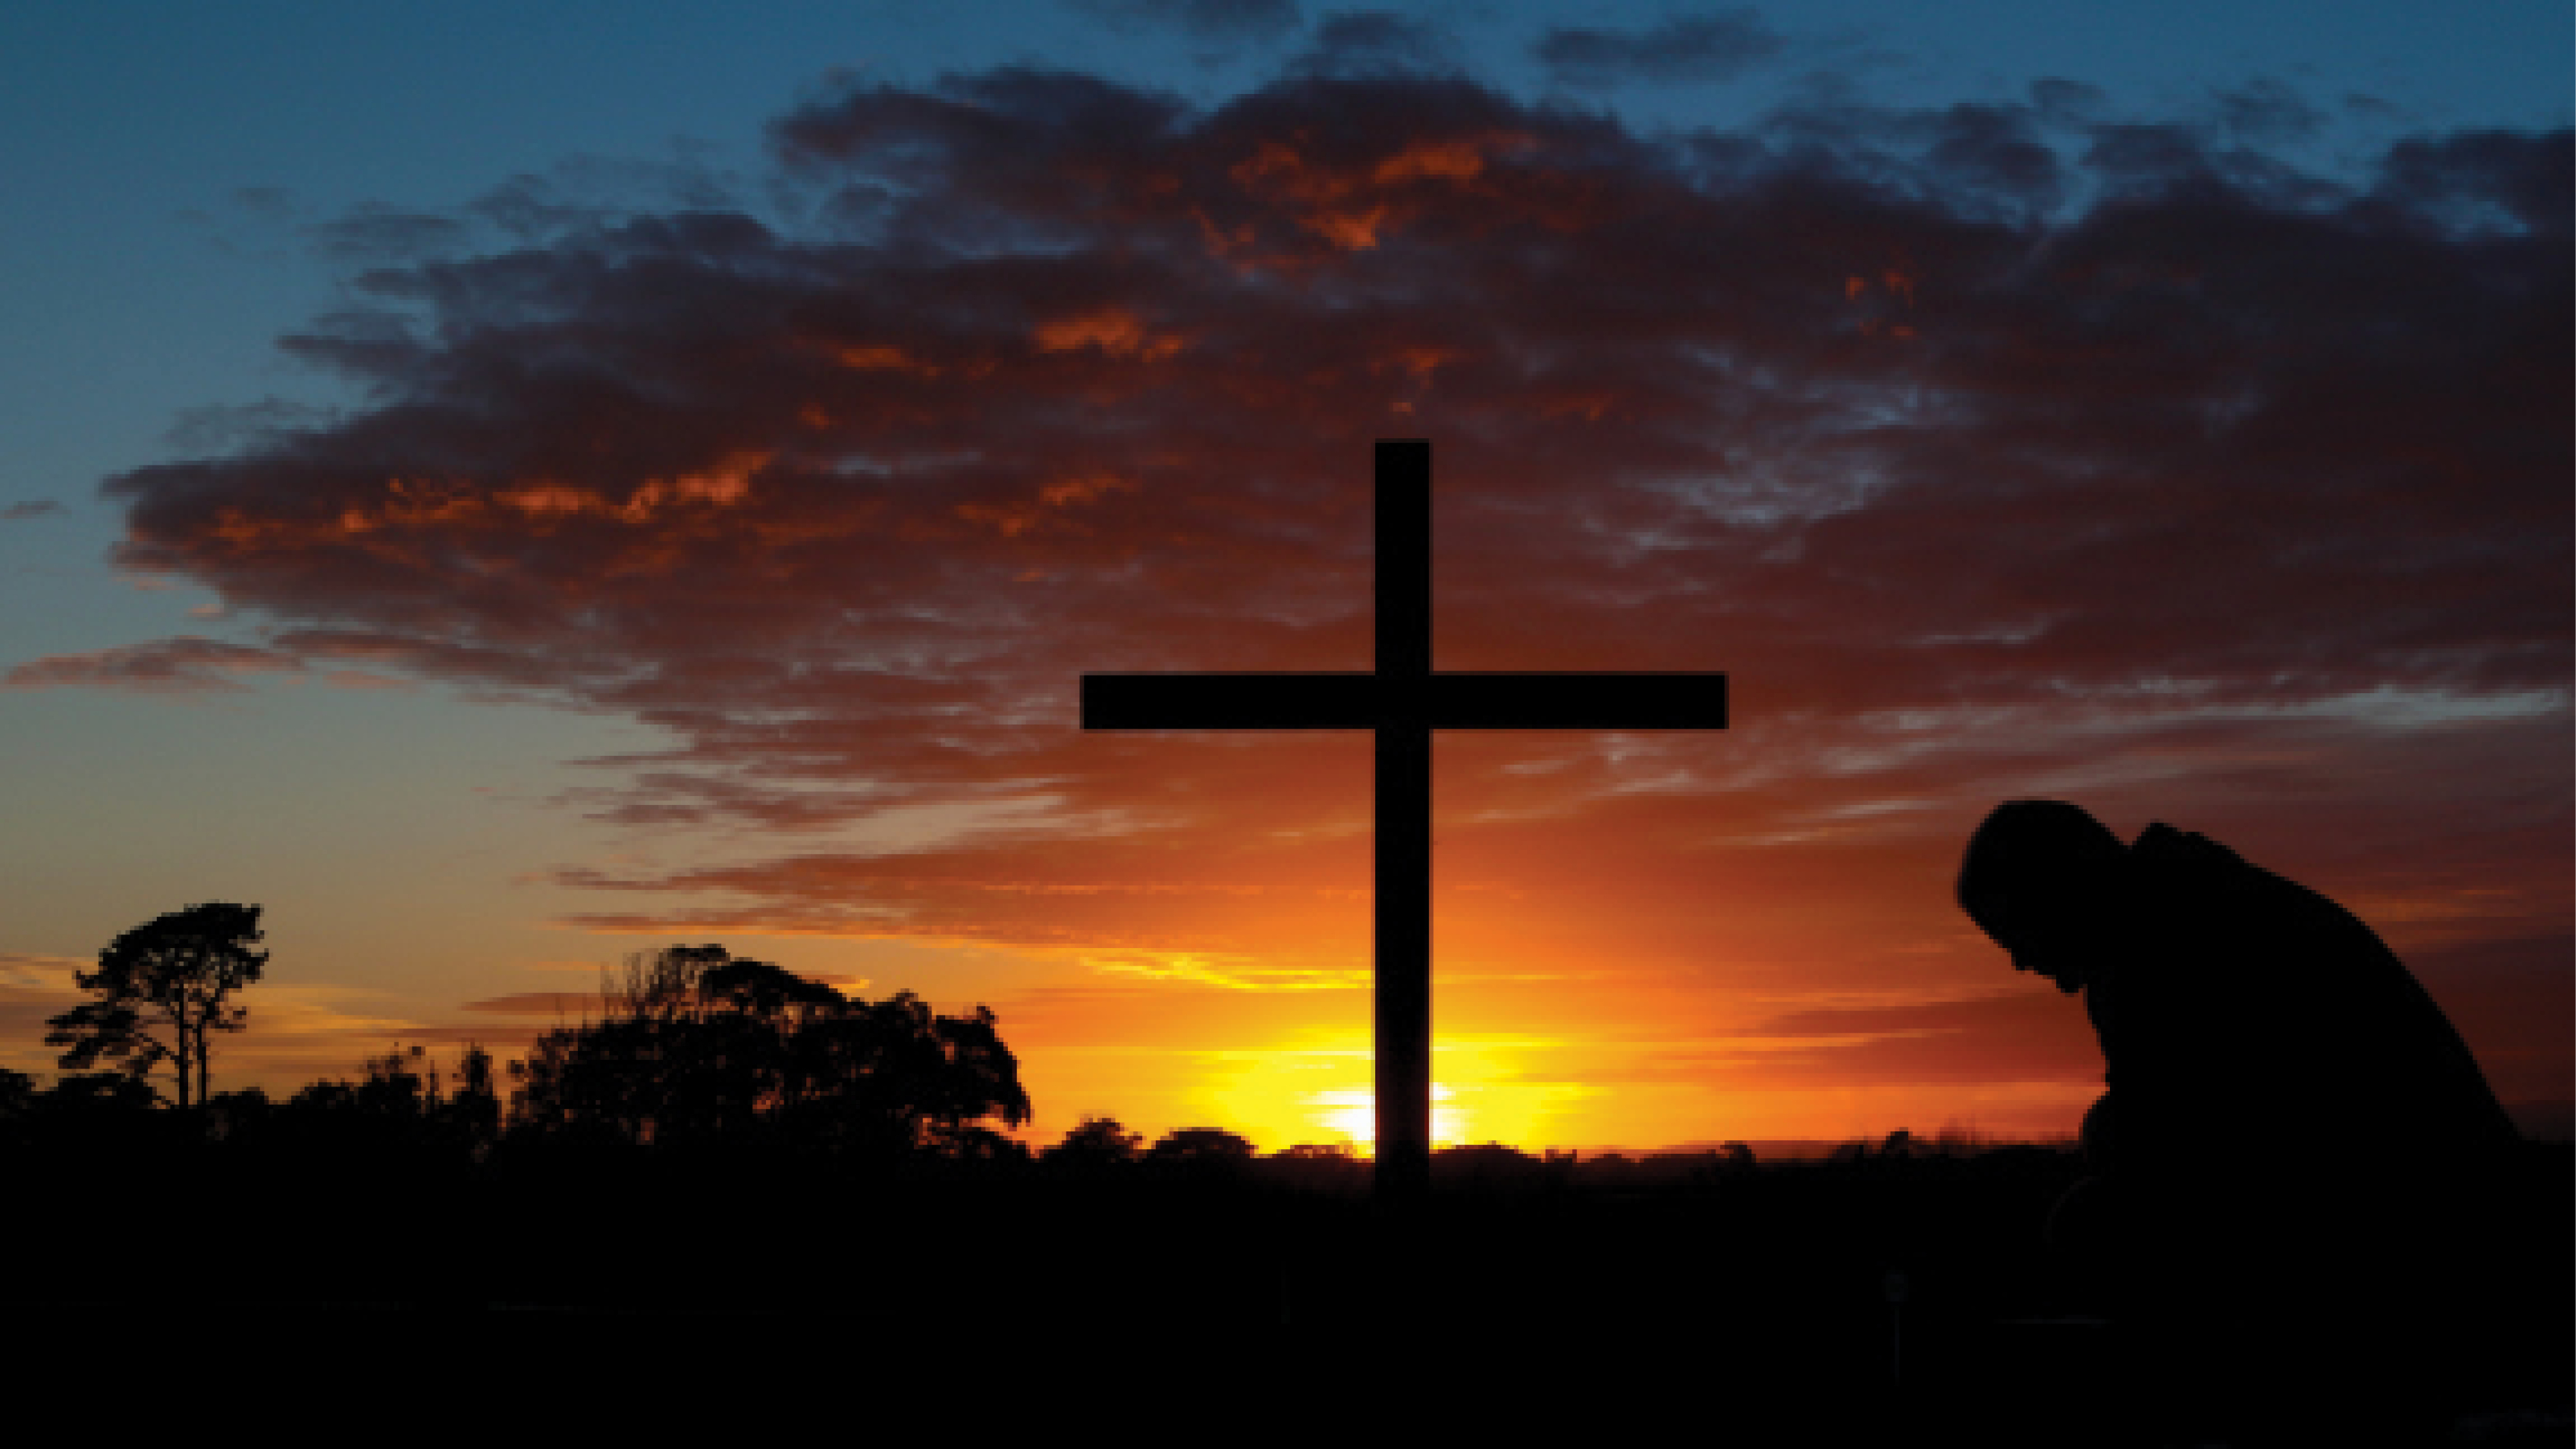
(1993, 450)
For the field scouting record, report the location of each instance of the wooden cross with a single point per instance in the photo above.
(1403, 701)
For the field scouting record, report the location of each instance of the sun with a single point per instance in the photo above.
(1353, 1114)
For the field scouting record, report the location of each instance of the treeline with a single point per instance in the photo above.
(715, 1112)
(713, 1100)
(691, 1049)
(695, 1053)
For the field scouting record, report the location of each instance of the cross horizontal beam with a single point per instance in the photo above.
(1463, 700)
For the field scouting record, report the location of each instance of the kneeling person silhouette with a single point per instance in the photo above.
(2294, 1145)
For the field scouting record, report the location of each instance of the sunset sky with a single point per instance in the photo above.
(501, 487)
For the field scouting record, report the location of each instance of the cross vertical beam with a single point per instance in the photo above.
(1403, 828)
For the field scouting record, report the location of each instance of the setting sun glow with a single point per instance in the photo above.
(1318, 1090)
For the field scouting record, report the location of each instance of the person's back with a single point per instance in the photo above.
(2294, 1146)
(2260, 1020)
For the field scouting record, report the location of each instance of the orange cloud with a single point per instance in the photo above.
(187, 666)
(1114, 331)
(882, 358)
(1348, 207)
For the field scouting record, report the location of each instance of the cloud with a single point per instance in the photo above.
(206, 431)
(378, 234)
(2267, 112)
(30, 508)
(1215, 22)
(571, 1006)
(361, 680)
(1685, 50)
(1993, 449)
(1382, 42)
(185, 666)
(2022, 1036)
(25, 971)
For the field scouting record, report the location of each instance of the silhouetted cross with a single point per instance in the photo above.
(1403, 702)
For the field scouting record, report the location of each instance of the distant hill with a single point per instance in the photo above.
(1811, 1149)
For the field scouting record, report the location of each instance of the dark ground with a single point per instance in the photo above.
(1739, 1306)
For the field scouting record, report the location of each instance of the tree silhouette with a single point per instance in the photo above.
(162, 989)
(1200, 1144)
(1317, 1166)
(1199, 1154)
(17, 1109)
(1490, 1166)
(399, 1084)
(474, 1112)
(1095, 1143)
(699, 1048)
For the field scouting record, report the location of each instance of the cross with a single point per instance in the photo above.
(1403, 702)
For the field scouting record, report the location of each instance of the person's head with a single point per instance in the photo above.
(2046, 881)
